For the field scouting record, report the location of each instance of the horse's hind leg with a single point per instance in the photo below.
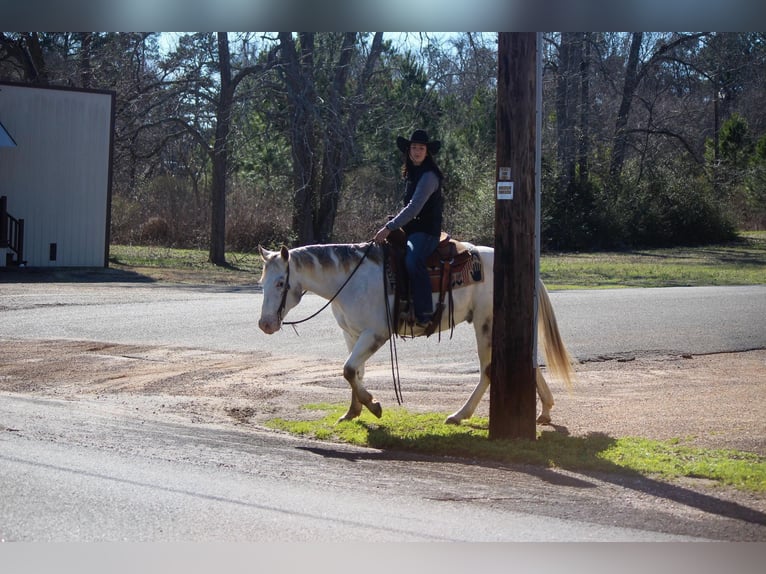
(546, 398)
(467, 410)
(484, 348)
(353, 371)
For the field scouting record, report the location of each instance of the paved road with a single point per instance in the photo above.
(77, 471)
(594, 324)
(696, 320)
(79, 474)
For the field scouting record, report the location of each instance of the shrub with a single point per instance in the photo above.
(155, 231)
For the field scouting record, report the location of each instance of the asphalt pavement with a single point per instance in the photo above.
(87, 471)
(593, 323)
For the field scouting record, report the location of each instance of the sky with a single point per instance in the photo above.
(414, 39)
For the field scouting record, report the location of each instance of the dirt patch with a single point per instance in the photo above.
(713, 401)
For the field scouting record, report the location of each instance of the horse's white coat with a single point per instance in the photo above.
(360, 312)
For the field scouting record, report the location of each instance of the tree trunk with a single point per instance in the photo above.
(301, 97)
(319, 165)
(86, 73)
(26, 50)
(567, 91)
(220, 155)
(341, 130)
(583, 143)
(335, 145)
(620, 141)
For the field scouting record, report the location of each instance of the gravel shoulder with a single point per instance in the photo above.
(714, 401)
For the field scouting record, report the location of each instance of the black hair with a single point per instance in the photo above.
(429, 163)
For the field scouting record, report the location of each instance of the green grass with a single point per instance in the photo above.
(401, 430)
(738, 263)
(184, 265)
(169, 257)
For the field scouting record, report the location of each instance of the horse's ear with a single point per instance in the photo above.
(264, 252)
(285, 253)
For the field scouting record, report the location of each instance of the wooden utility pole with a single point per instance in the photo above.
(512, 405)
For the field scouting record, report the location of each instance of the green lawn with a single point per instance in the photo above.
(737, 263)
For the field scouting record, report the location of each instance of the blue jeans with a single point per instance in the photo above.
(419, 247)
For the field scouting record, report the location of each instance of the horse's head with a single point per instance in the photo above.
(279, 295)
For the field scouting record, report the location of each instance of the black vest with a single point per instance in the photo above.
(429, 220)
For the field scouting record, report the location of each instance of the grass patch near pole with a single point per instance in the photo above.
(401, 430)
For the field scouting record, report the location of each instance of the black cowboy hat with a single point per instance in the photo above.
(421, 137)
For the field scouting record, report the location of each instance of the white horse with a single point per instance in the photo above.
(360, 310)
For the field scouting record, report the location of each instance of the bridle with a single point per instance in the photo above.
(285, 291)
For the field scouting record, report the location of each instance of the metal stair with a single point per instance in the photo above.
(11, 236)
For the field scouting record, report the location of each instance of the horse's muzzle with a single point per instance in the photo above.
(269, 326)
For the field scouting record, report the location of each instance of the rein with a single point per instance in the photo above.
(287, 289)
(391, 336)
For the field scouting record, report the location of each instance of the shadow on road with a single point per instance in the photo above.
(581, 461)
(70, 275)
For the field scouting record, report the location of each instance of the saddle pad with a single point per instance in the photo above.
(463, 274)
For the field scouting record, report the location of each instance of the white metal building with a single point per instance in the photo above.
(55, 175)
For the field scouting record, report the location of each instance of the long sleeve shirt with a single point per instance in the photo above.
(427, 185)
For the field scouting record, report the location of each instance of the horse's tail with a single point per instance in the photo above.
(556, 354)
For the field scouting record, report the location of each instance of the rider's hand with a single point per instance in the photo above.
(381, 235)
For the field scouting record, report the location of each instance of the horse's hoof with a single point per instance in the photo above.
(543, 420)
(452, 420)
(375, 408)
(349, 416)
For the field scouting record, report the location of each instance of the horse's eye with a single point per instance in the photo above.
(280, 284)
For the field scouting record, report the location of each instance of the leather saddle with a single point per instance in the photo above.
(451, 257)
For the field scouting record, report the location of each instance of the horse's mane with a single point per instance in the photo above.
(343, 256)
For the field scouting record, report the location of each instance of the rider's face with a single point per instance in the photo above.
(418, 153)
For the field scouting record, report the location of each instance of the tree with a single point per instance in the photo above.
(325, 110)
(568, 92)
(571, 201)
(311, 117)
(345, 108)
(200, 55)
(219, 152)
(24, 51)
(620, 139)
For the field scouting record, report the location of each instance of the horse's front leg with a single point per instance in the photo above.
(362, 348)
(355, 409)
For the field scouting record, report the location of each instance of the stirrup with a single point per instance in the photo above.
(428, 328)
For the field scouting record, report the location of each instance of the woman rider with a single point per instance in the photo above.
(421, 217)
